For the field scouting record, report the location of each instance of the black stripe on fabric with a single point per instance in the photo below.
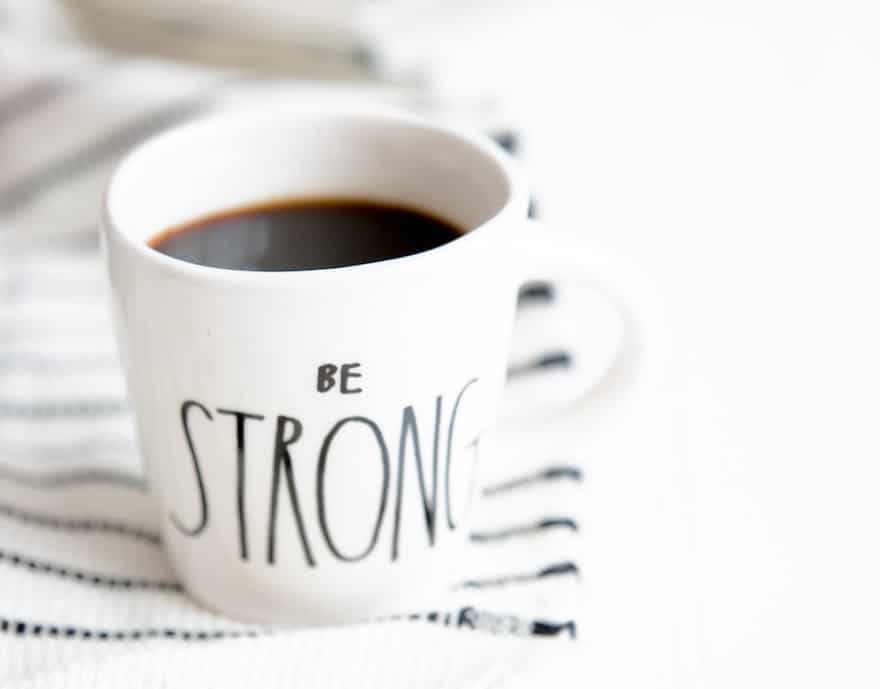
(30, 97)
(567, 568)
(73, 477)
(506, 139)
(495, 623)
(550, 360)
(17, 627)
(469, 618)
(510, 142)
(552, 473)
(61, 409)
(536, 292)
(534, 211)
(88, 578)
(78, 524)
(545, 628)
(85, 476)
(524, 530)
(97, 152)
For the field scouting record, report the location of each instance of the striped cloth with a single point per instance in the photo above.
(86, 595)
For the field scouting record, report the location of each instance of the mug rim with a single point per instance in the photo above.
(516, 195)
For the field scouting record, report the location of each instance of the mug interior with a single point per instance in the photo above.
(232, 161)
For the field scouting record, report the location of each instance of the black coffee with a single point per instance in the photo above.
(304, 235)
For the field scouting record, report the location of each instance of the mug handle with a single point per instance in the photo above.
(582, 316)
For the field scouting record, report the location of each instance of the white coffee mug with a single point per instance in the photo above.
(282, 499)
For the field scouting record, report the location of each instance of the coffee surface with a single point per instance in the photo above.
(304, 235)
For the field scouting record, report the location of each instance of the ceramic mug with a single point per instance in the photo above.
(288, 497)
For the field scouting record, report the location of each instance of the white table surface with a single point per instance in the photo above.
(733, 151)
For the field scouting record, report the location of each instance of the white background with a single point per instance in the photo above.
(733, 150)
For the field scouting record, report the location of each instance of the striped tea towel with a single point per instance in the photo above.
(87, 598)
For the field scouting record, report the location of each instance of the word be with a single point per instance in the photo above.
(326, 379)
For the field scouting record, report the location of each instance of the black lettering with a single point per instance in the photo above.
(449, 520)
(240, 420)
(203, 499)
(409, 427)
(348, 372)
(467, 618)
(282, 460)
(326, 381)
(322, 506)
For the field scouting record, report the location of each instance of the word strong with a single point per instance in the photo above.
(427, 447)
